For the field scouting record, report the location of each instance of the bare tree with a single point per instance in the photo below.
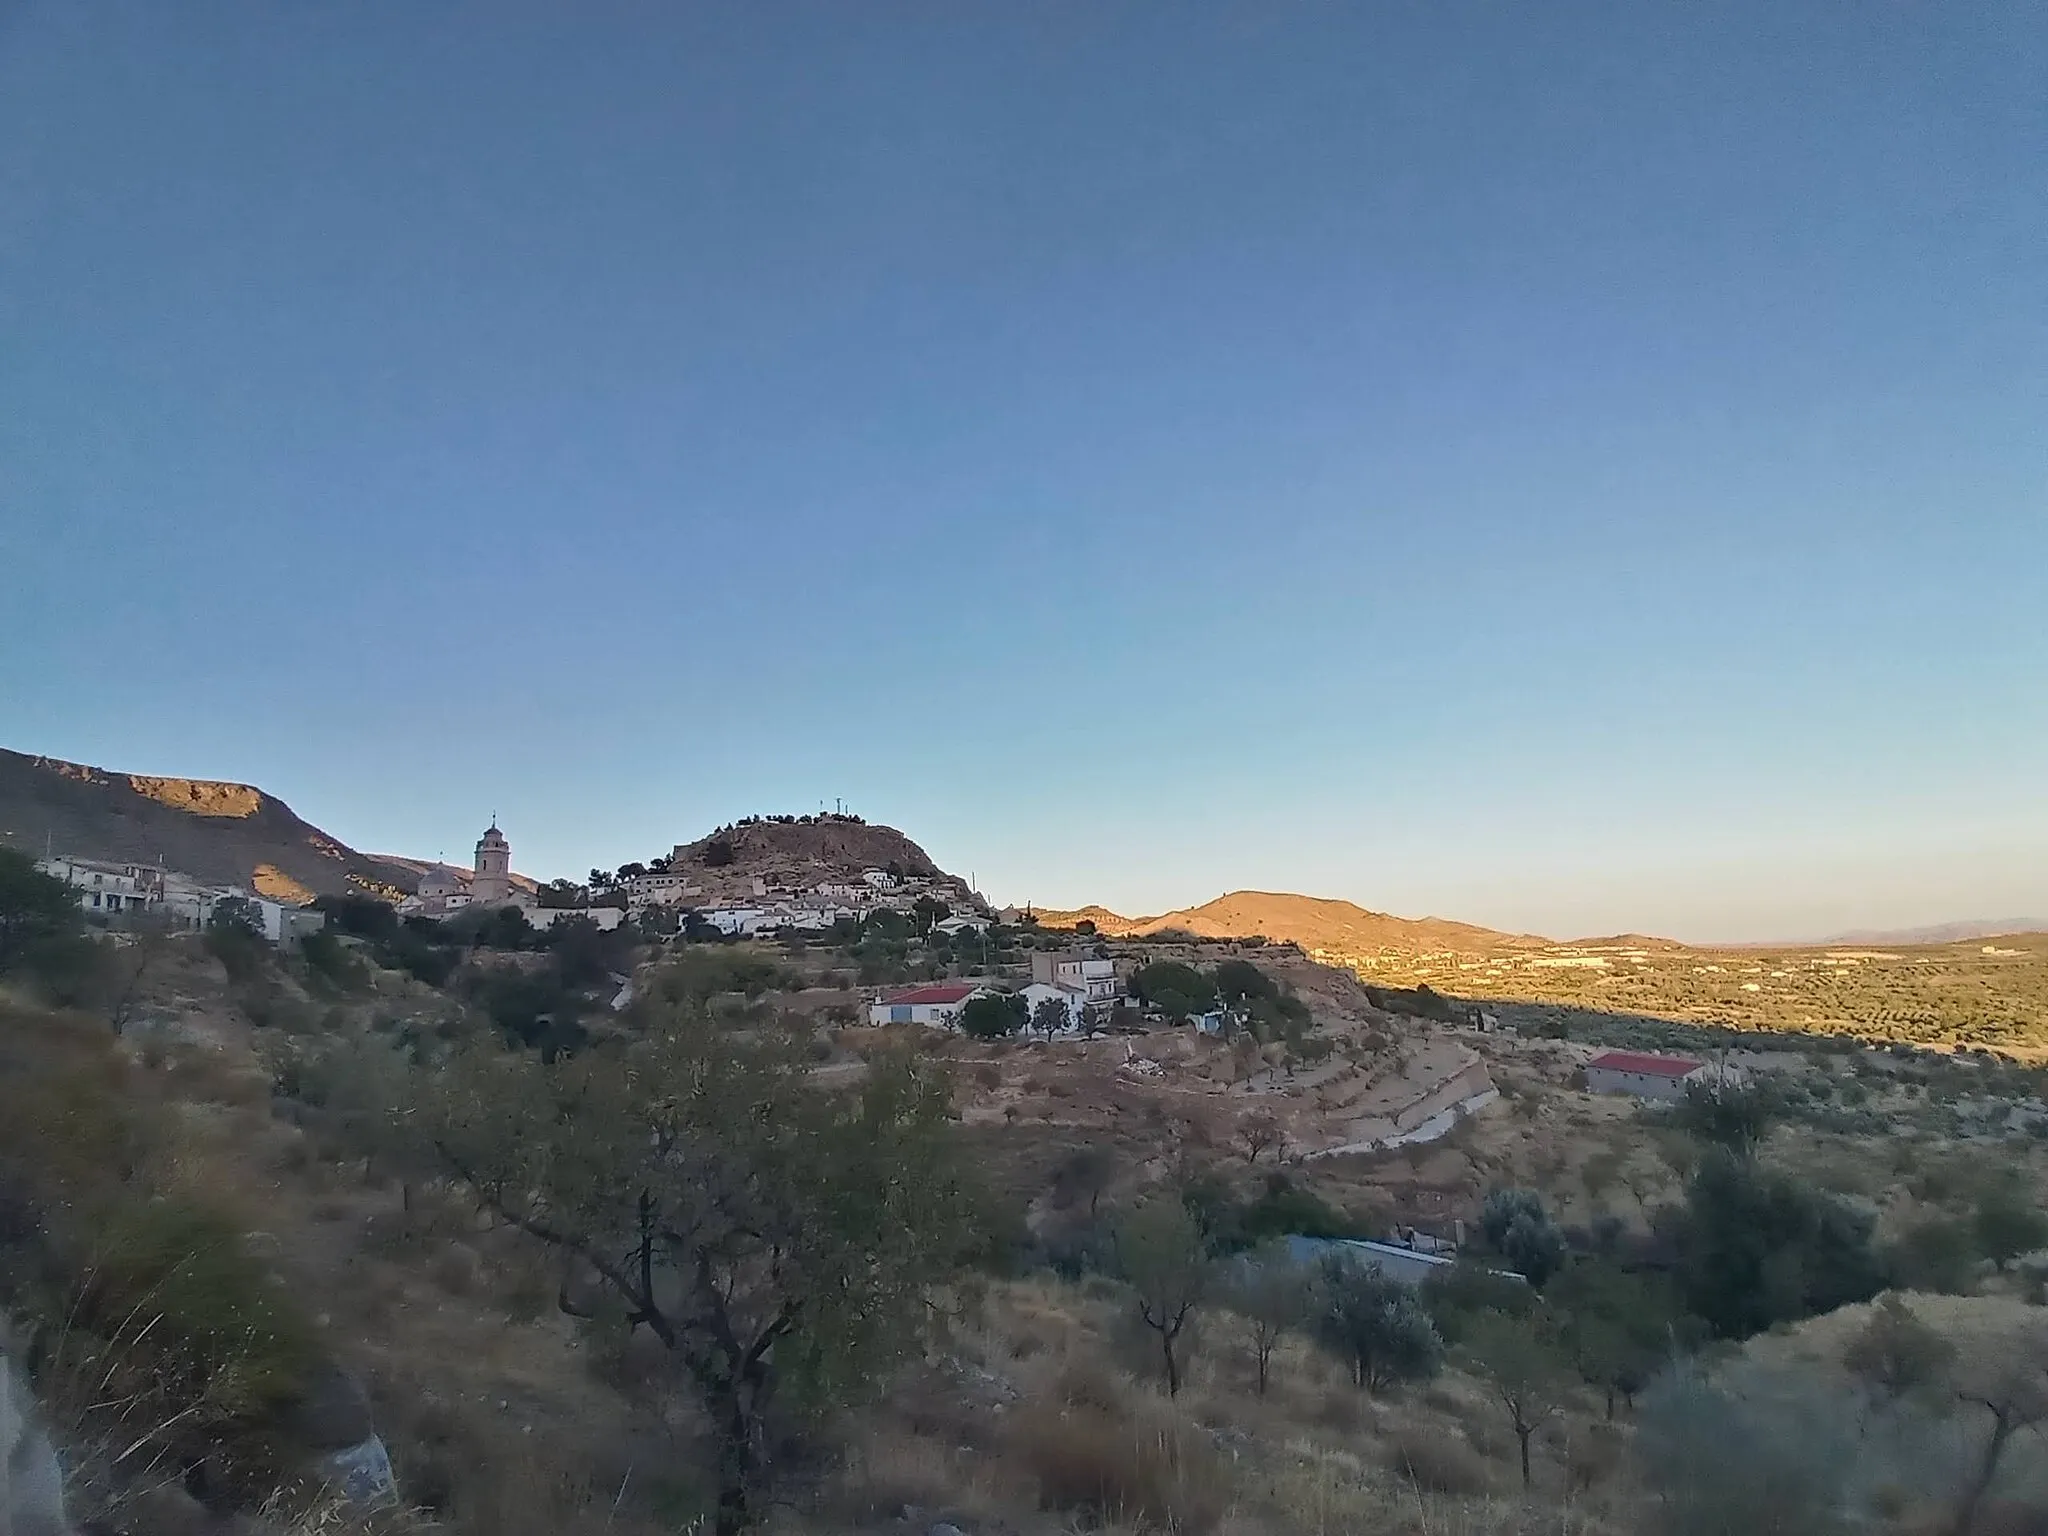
(1258, 1131)
(1271, 1293)
(1163, 1259)
(1527, 1373)
(147, 945)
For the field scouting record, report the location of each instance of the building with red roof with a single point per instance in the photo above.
(1643, 1075)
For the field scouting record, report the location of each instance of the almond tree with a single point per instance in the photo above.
(776, 1237)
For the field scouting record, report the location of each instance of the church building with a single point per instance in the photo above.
(445, 890)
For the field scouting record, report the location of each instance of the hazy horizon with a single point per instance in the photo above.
(1571, 470)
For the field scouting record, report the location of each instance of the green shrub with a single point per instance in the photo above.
(175, 1347)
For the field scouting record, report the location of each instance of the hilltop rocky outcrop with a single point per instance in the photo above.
(797, 854)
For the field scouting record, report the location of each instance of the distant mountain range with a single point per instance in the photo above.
(1944, 933)
(1313, 922)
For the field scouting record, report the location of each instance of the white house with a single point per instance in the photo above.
(1094, 979)
(1643, 1075)
(880, 879)
(284, 923)
(666, 889)
(953, 926)
(107, 889)
(938, 1005)
(739, 922)
(1038, 992)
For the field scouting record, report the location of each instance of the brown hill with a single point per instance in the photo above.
(1313, 922)
(228, 833)
(806, 848)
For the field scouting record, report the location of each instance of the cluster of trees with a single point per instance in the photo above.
(819, 819)
(1422, 1002)
(1595, 1322)
(1180, 990)
(890, 948)
(1376, 1326)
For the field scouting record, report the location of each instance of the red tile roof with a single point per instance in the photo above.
(946, 994)
(1648, 1066)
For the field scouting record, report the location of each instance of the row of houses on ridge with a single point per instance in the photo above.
(108, 890)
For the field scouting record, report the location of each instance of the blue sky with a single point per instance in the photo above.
(1568, 467)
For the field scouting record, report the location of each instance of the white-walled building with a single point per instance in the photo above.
(107, 889)
(938, 1005)
(284, 923)
(1093, 978)
(664, 888)
(1643, 1075)
(1039, 992)
(445, 890)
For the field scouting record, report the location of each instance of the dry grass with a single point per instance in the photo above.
(1436, 1462)
(1152, 1469)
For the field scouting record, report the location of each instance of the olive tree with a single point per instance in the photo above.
(1377, 1326)
(777, 1237)
(1521, 1231)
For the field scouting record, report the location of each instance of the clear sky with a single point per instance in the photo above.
(1566, 467)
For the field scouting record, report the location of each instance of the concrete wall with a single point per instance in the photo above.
(1641, 1085)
